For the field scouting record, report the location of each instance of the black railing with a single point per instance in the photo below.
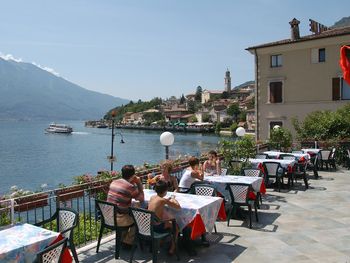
(37, 207)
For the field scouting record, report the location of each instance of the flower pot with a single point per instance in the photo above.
(31, 202)
(69, 193)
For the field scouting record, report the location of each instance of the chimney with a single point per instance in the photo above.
(294, 28)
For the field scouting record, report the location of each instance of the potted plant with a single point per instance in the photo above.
(67, 193)
(26, 200)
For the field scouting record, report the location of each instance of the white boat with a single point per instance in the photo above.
(59, 128)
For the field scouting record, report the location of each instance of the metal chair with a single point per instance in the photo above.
(108, 212)
(300, 171)
(272, 170)
(253, 172)
(348, 158)
(239, 197)
(324, 158)
(290, 174)
(331, 159)
(66, 220)
(223, 171)
(144, 221)
(52, 253)
(262, 156)
(204, 190)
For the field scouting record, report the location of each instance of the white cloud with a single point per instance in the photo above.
(11, 57)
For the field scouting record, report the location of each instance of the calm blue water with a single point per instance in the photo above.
(29, 157)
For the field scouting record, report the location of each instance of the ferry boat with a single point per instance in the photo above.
(59, 128)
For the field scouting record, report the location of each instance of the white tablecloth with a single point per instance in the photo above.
(316, 151)
(220, 183)
(273, 154)
(284, 163)
(21, 243)
(191, 205)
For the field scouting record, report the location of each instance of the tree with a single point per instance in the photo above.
(191, 106)
(280, 138)
(206, 117)
(193, 119)
(225, 95)
(198, 96)
(182, 99)
(233, 110)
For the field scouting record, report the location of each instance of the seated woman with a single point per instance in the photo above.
(212, 165)
(166, 169)
(190, 175)
(157, 203)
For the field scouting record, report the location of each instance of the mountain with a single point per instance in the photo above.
(30, 92)
(345, 21)
(250, 82)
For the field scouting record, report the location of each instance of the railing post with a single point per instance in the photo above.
(12, 203)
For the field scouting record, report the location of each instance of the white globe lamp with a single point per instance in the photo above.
(240, 131)
(167, 139)
(276, 127)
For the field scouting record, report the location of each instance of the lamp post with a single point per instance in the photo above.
(166, 139)
(112, 159)
(240, 131)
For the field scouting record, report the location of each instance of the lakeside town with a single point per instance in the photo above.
(203, 111)
(278, 192)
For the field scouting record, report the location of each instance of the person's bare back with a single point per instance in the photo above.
(156, 205)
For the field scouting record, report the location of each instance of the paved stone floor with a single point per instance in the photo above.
(294, 226)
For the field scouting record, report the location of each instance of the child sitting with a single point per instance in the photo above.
(156, 205)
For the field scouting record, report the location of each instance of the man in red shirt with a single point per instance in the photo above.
(121, 192)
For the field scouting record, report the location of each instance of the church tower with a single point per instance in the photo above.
(227, 81)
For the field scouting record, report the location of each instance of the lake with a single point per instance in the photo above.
(29, 157)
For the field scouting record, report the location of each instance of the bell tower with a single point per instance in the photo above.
(227, 81)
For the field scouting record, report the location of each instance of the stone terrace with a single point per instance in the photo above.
(294, 226)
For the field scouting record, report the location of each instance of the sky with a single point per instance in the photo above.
(152, 48)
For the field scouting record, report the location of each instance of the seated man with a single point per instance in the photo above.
(121, 191)
(190, 175)
(156, 205)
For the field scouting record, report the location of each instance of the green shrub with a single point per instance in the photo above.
(280, 138)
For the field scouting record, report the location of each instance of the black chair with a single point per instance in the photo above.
(262, 156)
(108, 212)
(66, 220)
(240, 197)
(204, 190)
(273, 170)
(254, 172)
(331, 159)
(290, 174)
(52, 253)
(324, 158)
(348, 158)
(313, 164)
(300, 171)
(144, 221)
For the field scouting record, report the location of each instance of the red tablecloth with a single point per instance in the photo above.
(197, 225)
(66, 257)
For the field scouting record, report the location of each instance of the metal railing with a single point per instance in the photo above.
(37, 207)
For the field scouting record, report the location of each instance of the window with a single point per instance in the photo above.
(322, 55)
(340, 89)
(276, 61)
(275, 92)
(274, 123)
(318, 55)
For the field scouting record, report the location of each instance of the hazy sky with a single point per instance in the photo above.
(147, 48)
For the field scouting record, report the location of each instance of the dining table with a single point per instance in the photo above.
(285, 164)
(221, 181)
(21, 242)
(299, 156)
(198, 212)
